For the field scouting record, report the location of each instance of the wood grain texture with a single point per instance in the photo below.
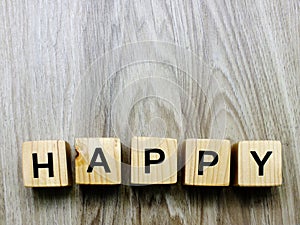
(55, 85)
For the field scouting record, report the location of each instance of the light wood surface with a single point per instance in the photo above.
(217, 174)
(268, 155)
(227, 70)
(109, 170)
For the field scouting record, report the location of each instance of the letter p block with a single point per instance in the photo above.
(207, 162)
(153, 160)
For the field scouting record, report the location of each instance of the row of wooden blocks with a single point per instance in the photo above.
(207, 162)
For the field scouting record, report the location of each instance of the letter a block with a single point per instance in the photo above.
(46, 164)
(258, 163)
(98, 161)
(153, 160)
(207, 162)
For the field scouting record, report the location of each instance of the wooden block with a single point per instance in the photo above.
(207, 162)
(258, 163)
(98, 161)
(46, 164)
(153, 160)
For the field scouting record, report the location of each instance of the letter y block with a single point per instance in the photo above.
(257, 163)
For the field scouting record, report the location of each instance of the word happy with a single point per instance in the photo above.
(207, 162)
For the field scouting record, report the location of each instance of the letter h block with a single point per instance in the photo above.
(46, 164)
(98, 161)
(257, 163)
(207, 162)
(153, 160)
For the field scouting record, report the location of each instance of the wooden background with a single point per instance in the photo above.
(222, 69)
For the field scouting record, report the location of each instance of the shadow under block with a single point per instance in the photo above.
(153, 160)
(207, 162)
(98, 161)
(46, 164)
(257, 163)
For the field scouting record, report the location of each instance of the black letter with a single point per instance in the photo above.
(148, 161)
(48, 165)
(260, 163)
(202, 163)
(98, 151)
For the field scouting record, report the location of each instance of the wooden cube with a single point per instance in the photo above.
(153, 160)
(207, 162)
(258, 163)
(98, 161)
(46, 164)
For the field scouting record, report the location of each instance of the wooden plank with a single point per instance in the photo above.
(49, 48)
